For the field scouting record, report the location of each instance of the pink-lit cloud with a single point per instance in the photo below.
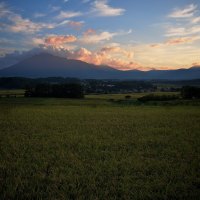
(76, 25)
(89, 32)
(112, 55)
(59, 40)
(117, 49)
(103, 58)
(176, 41)
(182, 40)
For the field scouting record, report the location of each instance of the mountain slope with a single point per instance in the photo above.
(47, 65)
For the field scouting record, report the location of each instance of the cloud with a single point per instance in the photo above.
(4, 11)
(85, 1)
(54, 8)
(58, 45)
(26, 26)
(63, 23)
(186, 27)
(38, 41)
(155, 45)
(10, 56)
(113, 55)
(117, 50)
(92, 37)
(82, 54)
(3, 53)
(185, 12)
(4, 41)
(89, 37)
(60, 40)
(17, 24)
(182, 31)
(101, 8)
(176, 41)
(195, 20)
(76, 25)
(101, 58)
(96, 38)
(89, 32)
(182, 40)
(68, 14)
(38, 15)
(105, 56)
(111, 49)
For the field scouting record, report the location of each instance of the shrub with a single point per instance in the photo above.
(127, 97)
(190, 92)
(153, 97)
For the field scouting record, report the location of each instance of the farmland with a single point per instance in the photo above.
(95, 148)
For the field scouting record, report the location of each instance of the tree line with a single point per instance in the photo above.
(187, 92)
(190, 92)
(72, 90)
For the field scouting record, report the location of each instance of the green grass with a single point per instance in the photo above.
(16, 92)
(96, 149)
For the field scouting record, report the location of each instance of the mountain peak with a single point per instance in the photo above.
(44, 54)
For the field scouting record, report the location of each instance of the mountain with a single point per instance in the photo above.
(48, 65)
(18, 56)
(179, 74)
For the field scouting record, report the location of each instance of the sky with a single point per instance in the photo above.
(124, 34)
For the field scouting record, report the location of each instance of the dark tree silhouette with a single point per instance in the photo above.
(72, 90)
(190, 92)
(153, 97)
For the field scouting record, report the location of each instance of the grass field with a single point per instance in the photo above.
(17, 93)
(97, 149)
(122, 96)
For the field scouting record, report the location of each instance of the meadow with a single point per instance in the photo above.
(98, 149)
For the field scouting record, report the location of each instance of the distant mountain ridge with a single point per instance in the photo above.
(47, 65)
